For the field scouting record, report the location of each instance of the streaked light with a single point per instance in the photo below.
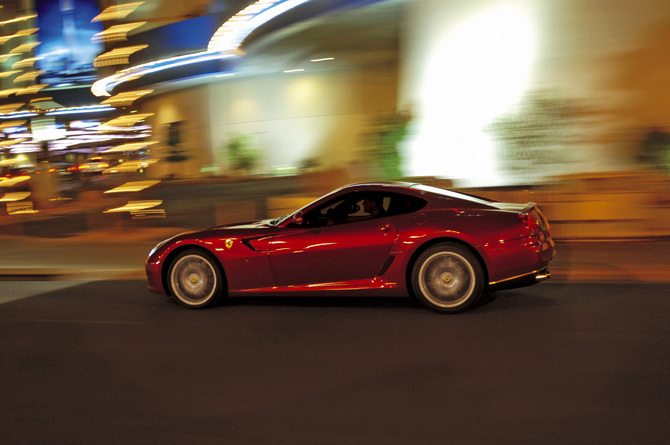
(5, 74)
(117, 56)
(134, 206)
(80, 110)
(116, 33)
(125, 121)
(8, 92)
(126, 98)
(224, 43)
(27, 77)
(24, 48)
(25, 63)
(14, 196)
(32, 89)
(324, 59)
(5, 57)
(135, 186)
(9, 108)
(232, 33)
(131, 146)
(13, 181)
(21, 33)
(11, 124)
(84, 125)
(10, 142)
(295, 70)
(117, 12)
(20, 207)
(131, 166)
(17, 115)
(18, 19)
(102, 86)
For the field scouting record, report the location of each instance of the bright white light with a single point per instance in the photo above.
(476, 71)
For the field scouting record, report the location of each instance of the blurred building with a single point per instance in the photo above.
(289, 85)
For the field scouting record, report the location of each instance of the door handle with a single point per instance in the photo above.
(384, 228)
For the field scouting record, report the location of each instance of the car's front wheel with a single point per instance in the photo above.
(195, 279)
(447, 277)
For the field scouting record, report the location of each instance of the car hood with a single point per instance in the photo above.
(251, 225)
(236, 230)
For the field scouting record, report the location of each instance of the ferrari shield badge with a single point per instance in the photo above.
(229, 243)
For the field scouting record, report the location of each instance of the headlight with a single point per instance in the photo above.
(158, 246)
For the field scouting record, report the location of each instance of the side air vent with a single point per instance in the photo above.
(386, 265)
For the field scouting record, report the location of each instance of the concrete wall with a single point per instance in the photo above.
(288, 118)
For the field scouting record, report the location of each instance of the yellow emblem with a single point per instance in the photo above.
(229, 243)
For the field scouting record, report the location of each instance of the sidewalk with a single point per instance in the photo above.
(106, 255)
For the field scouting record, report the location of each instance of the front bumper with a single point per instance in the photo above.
(154, 277)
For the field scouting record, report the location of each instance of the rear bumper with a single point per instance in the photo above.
(525, 259)
(521, 281)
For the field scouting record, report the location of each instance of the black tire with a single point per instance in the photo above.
(447, 277)
(195, 279)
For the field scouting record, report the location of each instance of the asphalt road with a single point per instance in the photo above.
(107, 362)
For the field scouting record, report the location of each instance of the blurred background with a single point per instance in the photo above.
(117, 116)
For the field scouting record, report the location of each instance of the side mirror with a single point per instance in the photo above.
(297, 219)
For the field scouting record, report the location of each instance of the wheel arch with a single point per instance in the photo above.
(431, 243)
(174, 253)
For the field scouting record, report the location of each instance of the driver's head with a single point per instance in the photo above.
(372, 205)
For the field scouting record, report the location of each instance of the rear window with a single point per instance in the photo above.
(399, 204)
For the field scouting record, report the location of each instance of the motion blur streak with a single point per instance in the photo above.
(473, 72)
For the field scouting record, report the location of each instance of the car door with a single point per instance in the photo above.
(349, 252)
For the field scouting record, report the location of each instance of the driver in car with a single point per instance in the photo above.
(373, 205)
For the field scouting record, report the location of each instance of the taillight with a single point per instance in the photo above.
(530, 222)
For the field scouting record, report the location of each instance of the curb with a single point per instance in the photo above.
(38, 274)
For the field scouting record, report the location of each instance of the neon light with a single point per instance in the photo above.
(231, 34)
(224, 43)
(103, 86)
(79, 110)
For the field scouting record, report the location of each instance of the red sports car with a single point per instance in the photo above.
(443, 247)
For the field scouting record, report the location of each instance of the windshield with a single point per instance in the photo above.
(281, 219)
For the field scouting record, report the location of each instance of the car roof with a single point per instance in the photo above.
(414, 188)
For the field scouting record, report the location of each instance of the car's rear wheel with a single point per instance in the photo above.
(195, 279)
(447, 277)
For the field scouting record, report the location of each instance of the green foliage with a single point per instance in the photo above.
(655, 150)
(241, 155)
(387, 132)
(175, 152)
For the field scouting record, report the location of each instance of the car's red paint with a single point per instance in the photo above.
(354, 252)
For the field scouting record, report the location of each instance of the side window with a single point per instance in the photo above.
(360, 207)
(333, 212)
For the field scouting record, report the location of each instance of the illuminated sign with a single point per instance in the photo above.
(66, 53)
